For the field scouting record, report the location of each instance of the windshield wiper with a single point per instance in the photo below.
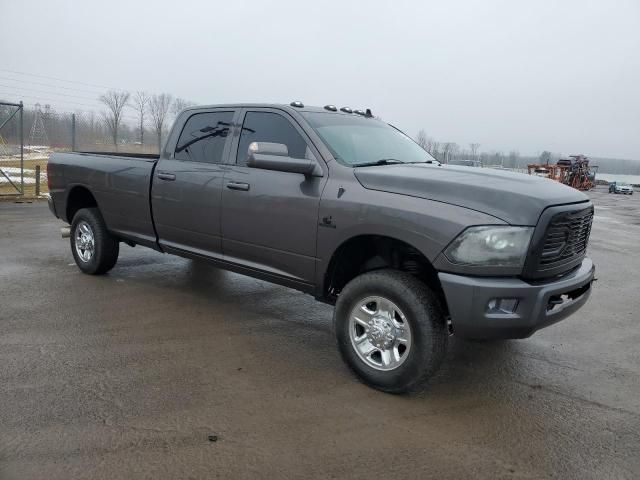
(392, 161)
(382, 161)
(209, 132)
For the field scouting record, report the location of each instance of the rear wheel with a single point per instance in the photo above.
(94, 249)
(391, 330)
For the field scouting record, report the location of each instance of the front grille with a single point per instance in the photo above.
(566, 239)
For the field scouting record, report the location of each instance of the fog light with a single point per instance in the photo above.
(502, 305)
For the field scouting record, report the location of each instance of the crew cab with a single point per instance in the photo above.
(345, 207)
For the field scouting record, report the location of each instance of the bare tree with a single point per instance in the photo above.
(496, 158)
(474, 149)
(435, 149)
(445, 151)
(422, 139)
(158, 108)
(141, 104)
(448, 149)
(545, 157)
(94, 127)
(454, 151)
(115, 102)
(180, 104)
(514, 155)
(429, 146)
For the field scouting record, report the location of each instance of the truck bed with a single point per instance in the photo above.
(120, 183)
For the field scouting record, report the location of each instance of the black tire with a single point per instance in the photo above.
(106, 246)
(421, 308)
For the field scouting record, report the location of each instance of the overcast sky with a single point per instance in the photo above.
(532, 75)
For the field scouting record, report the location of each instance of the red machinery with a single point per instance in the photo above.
(574, 171)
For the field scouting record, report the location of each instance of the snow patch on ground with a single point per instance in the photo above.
(14, 175)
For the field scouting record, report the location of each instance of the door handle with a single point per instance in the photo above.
(166, 176)
(238, 186)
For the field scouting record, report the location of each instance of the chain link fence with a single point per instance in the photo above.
(28, 136)
(12, 169)
(88, 132)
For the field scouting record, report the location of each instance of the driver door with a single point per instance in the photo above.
(270, 218)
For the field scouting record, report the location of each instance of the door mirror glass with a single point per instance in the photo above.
(268, 148)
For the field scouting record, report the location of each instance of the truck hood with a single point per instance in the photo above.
(515, 198)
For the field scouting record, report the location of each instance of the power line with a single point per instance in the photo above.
(92, 85)
(44, 99)
(41, 99)
(60, 79)
(47, 91)
(52, 102)
(74, 89)
(96, 104)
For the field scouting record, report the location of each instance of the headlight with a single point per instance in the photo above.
(494, 246)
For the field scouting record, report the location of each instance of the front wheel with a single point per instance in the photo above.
(391, 330)
(94, 249)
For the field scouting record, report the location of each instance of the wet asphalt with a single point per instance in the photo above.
(169, 368)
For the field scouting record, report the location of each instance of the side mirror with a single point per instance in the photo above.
(269, 148)
(275, 156)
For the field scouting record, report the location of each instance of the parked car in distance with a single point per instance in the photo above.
(466, 163)
(621, 187)
(541, 172)
(345, 207)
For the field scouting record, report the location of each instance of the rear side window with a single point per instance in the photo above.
(270, 127)
(203, 137)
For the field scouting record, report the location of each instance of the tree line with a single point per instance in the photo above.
(155, 107)
(448, 152)
(142, 119)
(138, 118)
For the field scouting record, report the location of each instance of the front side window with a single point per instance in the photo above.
(355, 140)
(270, 127)
(203, 137)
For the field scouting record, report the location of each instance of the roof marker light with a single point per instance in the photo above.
(297, 104)
(358, 112)
(346, 110)
(331, 108)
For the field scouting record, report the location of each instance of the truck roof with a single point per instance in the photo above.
(283, 106)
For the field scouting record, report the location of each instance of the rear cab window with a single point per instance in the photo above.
(203, 137)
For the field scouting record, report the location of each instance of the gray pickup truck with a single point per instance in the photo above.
(345, 207)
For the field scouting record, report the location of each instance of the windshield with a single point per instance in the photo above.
(358, 141)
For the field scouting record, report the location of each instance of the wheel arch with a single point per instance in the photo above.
(79, 196)
(367, 252)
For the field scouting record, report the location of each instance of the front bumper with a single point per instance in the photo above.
(538, 304)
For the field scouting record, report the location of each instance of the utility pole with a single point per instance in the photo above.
(38, 135)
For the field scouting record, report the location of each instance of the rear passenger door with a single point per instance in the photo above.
(270, 218)
(187, 186)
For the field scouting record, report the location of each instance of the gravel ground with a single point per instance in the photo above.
(168, 368)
